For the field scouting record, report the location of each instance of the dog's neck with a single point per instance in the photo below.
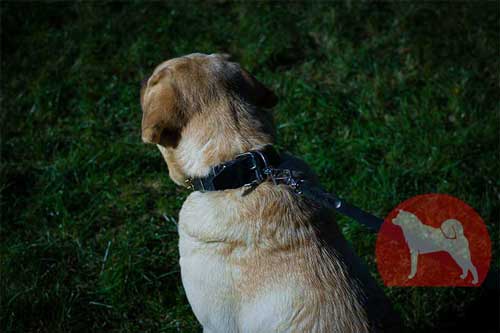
(208, 141)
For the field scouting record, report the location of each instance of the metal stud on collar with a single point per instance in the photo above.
(284, 176)
(189, 183)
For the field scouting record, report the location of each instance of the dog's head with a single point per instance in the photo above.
(404, 218)
(181, 87)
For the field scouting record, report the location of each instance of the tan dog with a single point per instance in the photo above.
(264, 261)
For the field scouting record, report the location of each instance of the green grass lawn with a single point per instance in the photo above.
(385, 101)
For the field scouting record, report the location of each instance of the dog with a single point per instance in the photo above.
(264, 260)
(422, 239)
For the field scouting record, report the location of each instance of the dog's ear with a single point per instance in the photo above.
(162, 118)
(258, 93)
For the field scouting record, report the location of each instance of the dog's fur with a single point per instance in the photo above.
(263, 261)
(422, 239)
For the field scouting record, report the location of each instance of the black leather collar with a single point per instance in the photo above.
(247, 169)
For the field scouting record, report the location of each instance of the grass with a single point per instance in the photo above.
(384, 100)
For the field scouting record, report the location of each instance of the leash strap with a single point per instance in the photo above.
(329, 200)
(332, 201)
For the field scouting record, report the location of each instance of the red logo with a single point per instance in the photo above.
(433, 240)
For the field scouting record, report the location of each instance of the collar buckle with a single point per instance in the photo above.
(259, 164)
(189, 183)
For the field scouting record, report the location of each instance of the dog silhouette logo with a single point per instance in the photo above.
(433, 240)
(422, 239)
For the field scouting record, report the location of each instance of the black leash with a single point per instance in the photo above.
(331, 201)
(317, 194)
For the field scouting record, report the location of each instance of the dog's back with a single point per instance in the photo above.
(425, 238)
